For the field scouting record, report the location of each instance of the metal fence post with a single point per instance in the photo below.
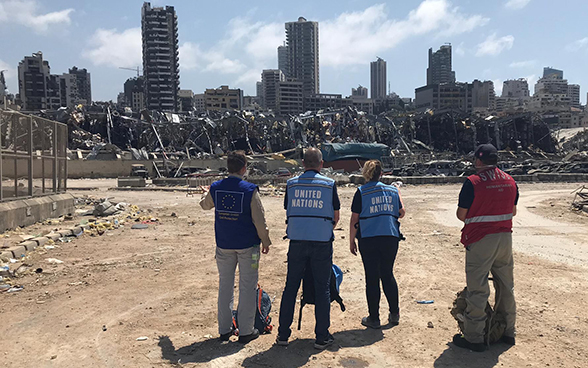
(55, 157)
(66, 140)
(31, 156)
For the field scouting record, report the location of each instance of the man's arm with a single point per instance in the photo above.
(462, 213)
(353, 232)
(206, 202)
(466, 198)
(336, 206)
(336, 219)
(258, 217)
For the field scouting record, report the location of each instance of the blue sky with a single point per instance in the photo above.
(230, 42)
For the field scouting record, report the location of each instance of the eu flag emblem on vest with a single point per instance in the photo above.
(229, 202)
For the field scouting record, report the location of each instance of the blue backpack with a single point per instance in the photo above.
(308, 294)
(263, 322)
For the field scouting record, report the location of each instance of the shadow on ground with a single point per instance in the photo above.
(456, 357)
(301, 351)
(198, 352)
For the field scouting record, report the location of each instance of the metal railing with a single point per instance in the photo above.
(33, 156)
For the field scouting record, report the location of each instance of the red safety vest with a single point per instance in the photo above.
(491, 212)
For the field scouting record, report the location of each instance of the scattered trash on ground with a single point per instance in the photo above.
(425, 301)
(142, 338)
(54, 261)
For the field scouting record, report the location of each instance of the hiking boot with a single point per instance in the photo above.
(247, 338)
(509, 340)
(281, 342)
(461, 342)
(322, 345)
(394, 319)
(371, 323)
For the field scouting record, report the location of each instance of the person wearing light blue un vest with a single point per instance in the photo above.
(376, 208)
(312, 209)
(240, 228)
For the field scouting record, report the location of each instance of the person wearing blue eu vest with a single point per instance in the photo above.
(312, 209)
(376, 208)
(239, 228)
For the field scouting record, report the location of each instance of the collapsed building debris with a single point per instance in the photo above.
(428, 143)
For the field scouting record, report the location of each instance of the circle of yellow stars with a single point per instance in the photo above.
(228, 202)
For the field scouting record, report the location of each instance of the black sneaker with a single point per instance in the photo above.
(509, 340)
(322, 345)
(394, 319)
(461, 342)
(247, 338)
(371, 323)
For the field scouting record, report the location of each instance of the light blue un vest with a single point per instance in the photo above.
(310, 207)
(379, 210)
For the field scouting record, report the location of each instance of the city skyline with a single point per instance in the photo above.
(232, 45)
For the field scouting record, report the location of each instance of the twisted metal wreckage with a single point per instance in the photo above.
(183, 135)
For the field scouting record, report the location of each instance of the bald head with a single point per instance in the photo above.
(313, 159)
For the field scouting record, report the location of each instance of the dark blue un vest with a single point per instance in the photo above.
(310, 207)
(233, 225)
(379, 210)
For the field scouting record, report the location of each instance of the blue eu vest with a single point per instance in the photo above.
(379, 210)
(310, 207)
(233, 225)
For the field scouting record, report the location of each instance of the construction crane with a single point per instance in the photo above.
(137, 69)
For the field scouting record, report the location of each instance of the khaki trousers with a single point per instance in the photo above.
(227, 261)
(491, 254)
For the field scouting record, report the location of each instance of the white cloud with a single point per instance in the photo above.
(516, 4)
(577, 45)
(494, 46)
(523, 64)
(497, 86)
(460, 50)
(531, 80)
(116, 49)
(26, 13)
(356, 37)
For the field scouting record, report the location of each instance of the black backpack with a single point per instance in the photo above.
(263, 322)
(308, 294)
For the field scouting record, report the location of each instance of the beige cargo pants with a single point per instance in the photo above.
(491, 254)
(248, 262)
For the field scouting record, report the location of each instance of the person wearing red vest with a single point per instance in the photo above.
(487, 204)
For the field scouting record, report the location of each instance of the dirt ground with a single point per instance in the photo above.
(161, 283)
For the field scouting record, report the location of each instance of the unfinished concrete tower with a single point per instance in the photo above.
(161, 67)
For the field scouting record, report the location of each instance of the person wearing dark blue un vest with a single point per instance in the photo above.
(239, 227)
(312, 208)
(376, 209)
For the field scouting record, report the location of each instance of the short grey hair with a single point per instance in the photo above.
(312, 158)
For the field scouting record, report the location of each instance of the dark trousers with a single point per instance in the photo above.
(320, 257)
(378, 255)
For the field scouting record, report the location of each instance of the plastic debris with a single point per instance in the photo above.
(14, 289)
(425, 301)
(54, 261)
(139, 226)
(142, 338)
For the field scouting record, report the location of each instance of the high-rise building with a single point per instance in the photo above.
(378, 79)
(549, 71)
(2, 83)
(270, 80)
(290, 98)
(84, 84)
(552, 84)
(483, 95)
(33, 76)
(574, 95)
(439, 70)
(161, 67)
(199, 102)
(515, 88)
(359, 93)
(68, 90)
(283, 62)
(302, 40)
(134, 93)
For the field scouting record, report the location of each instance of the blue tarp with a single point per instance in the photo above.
(351, 151)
